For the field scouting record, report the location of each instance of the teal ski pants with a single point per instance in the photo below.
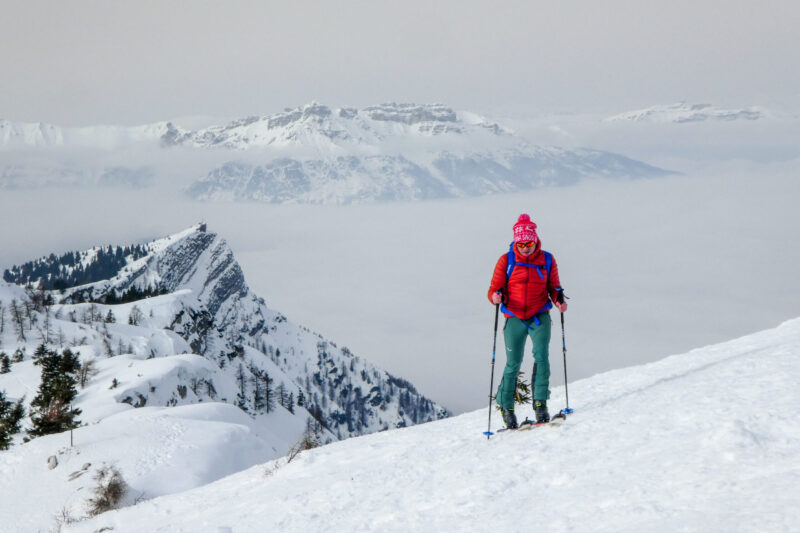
(516, 332)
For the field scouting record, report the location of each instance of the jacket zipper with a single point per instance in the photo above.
(527, 282)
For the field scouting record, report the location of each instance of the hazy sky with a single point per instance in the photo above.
(77, 63)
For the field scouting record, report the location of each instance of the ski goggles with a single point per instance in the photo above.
(526, 244)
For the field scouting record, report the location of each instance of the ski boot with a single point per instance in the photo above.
(509, 418)
(540, 408)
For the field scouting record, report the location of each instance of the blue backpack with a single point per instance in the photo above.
(512, 262)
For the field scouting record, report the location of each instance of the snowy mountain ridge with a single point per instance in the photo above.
(629, 459)
(391, 152)
(204, 299)
(317, 154)
(326, 130)
(682, 112)
(312, 124)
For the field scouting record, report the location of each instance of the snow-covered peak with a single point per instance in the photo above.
(163, 242)
(326, 129)
(686, 112)
(312, 125)
(194, 378)
(190, 286)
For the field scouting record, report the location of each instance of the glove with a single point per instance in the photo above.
(497, 298)
(560, 296)
(561, 300)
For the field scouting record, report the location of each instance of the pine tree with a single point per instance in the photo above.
(269, 393)
(11, 414)
(110, 318)
(241, 396)
(522, 394)
(17, 320)
(52, 410)
(5, 363)
(282, 395)
(301, 398)
(40, 352)
(259, 394)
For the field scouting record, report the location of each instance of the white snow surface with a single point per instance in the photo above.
(704, 441)
(158, 450)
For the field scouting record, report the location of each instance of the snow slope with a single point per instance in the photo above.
(704, 441)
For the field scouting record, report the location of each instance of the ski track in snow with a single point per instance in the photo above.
(704, 441)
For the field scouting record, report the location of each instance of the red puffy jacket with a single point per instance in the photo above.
(527, 292)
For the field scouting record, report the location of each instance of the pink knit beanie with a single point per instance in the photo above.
(525, 230)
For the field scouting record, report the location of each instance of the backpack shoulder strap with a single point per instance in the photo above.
(511, 262)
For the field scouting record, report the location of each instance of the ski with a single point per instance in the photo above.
(557, 420)
(527, 425)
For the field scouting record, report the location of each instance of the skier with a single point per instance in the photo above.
(526, 286)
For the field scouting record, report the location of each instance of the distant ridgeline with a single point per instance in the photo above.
(75, 268)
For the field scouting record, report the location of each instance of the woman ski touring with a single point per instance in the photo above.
(526, 286)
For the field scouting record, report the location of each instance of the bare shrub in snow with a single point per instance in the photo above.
(306, 442)
(85, 372)
(64, 518)
(109, 492)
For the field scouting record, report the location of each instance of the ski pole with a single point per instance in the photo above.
(488, 432)
(564, 345)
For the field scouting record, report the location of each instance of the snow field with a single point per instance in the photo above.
(158, 451)
(704, 441)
